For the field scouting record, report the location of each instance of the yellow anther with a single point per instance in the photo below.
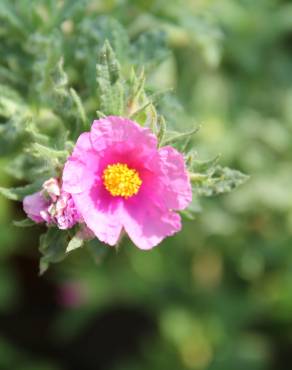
(120, 180)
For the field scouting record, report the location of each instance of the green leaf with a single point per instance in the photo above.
(20, 192)
(24, 223)
(50, 159)
(79, 108)
(200, 166)
(193, 209)
(46, 49)
(10, 135)
(173, 137)
(67, 104)
(28, 168)
(150, 48)
(108, 59)
(161, 129)
(221, 180)
(32, 129)
(7, 15)
(139, 106)
(48, 153)
(136, 94)
(53, 247)
(60, 78)
(10, 102)
(74, 243)
(109, 88)
(97, 249)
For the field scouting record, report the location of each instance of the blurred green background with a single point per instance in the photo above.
(218, 295)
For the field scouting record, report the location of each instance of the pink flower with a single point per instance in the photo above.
(52, 187)
(119, 179)
(52, 205)
(36, 206)
(66, 214)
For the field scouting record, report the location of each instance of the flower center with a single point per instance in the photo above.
(120, 180)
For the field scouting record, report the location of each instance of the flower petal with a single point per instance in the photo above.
(112, 130)
(33, 205)
(75, 179)
(82, 147)
(80, 168)
(177, 190)
(100, 214)
(147, 224)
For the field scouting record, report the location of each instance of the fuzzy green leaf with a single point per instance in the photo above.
(21, 192)
(193, 209)
(74, 243)
(67, 103)
(47, 153)
(173, 137)
(110, 90)
(53, 247)
(202, 166)
(222, 180)
(24, 223)
(97, 249)
(32, 129)
(150, 48)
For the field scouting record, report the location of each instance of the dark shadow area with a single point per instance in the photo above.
(109, 337)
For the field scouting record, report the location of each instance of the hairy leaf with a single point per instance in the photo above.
(74, 243)
(21, 192)
(110, 90)
(52, 247)
(221, 180)
(24, 223)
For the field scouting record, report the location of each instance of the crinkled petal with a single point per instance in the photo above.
(33, 205)
(80, 169)
(52, 187)
(76, 177)
(83, 147)
(176, 189)
(147, 224)
(113, 130)
(100, 214)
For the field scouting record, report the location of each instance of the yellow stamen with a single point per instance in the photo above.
(120, 180)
